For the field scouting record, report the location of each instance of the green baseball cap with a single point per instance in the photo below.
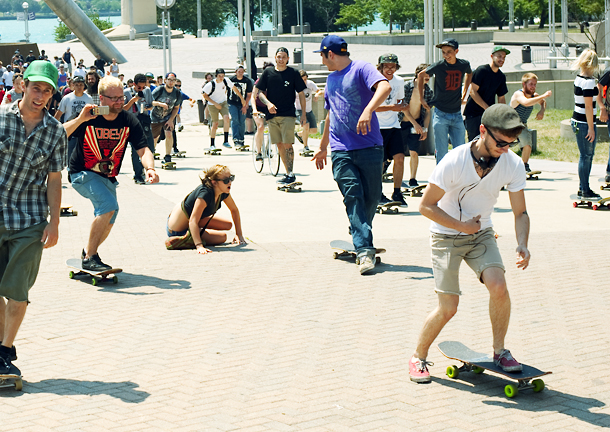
(500, 48)
(42, 71)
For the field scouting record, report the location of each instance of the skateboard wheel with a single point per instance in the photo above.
(71, 274)
(575, 204)
(74, 213)
(477, 370)
(595, 207)
(453, 372)
(538, 385)
(18, 385)
(395, 210)
(115, 280)
(93, 281)
(335, 255)
(377, 260)
(511, 391)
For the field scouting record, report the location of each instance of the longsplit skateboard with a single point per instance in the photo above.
(11, 379)
(66, 210)
(290, 187)
(212, 151)
(96, 277)
(347, 249)
(594, 203)
(477, 363)
(533, 175)
(389, 207)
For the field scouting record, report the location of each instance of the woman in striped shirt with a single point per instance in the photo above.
(583, 118)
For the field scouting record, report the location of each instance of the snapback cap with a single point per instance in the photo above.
(500, 48)
(333, 43)
(450, 43)
(501, 116)
(42, 71)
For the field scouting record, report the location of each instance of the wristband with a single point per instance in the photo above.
(424, 130)
(197, 244)
(150, 169)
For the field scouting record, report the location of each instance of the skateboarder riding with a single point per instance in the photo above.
(459, 200)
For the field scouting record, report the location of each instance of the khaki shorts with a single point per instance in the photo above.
(20, 254)
(224, 111)
(156, 129)
(281, 130)
(480, 251)
(525, 139)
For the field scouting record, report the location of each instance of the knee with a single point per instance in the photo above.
(447, 311)
(399, 158)
(497, 288)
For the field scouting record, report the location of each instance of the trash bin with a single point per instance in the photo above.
(579, 49)
(297, 56)
(263, 48)
(201, 109)
(473, 25)
(526, 54)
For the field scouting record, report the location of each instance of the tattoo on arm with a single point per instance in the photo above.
(290, 159)
(262, 98)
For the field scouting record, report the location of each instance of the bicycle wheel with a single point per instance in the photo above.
(273, 156)
(258, 164)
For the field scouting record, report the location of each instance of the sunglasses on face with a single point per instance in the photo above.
(178, 85)
(228, 180)
(500, 143)
(114, 99)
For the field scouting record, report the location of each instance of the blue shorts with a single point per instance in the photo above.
(99, 190)
(310, 117)
(172, 233)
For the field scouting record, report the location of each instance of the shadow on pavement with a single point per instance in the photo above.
(127, 281)
(387, 267)
(126, 391)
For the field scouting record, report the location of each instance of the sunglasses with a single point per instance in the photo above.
(178, 85)
(228, 179)
(114, 99)
(500, 143)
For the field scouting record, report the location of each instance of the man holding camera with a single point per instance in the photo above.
(102, 133)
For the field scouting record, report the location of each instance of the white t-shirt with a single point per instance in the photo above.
(72, 105)
(8, 78)
(82, 72)
(456, 175)
(309, 91)
(220, 91)
(389, 119)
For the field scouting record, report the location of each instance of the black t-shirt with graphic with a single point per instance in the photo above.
(280, 88)
(207, 194)
(448, 84)
(491, 84)
(101, 144)
(244, 86)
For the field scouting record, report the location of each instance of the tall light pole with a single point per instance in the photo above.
(199, 18)
(26, 17)
(132, 29)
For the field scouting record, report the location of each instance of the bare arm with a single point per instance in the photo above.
(429, 208)
(420, 86)
(474, 94)
(239, 236)
(303, 103)
(466, 85)
(148, 161)
(589, 113)
(320, 156)
(520, 99)
(50, 234)
(382, 90)
(84, 116)
(603, 112)
(194, 228)
(522, 227)
(502, 99)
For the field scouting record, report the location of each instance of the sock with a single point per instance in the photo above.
(5, 350)
(396, 190)
(226, 136)
(212, 142)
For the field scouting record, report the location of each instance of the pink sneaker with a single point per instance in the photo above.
(507, 362)
(418, 370)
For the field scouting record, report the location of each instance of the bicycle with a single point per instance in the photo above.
(269, 152)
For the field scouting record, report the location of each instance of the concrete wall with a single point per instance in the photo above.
(537, 38)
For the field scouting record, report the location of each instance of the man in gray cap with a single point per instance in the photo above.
(459, 200)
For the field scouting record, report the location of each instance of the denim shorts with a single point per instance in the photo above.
(172, 233)
(309, 116)
(97, 189)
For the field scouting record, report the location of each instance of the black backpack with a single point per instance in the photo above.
(226, 86)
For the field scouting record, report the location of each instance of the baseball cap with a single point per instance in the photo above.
(42, 71)
(449, 42)
(388, 58)
(78, 79)
(501, 116)
(220, 71)
(168, 74)
(149, 75)
(238, 67)
(333, 43)
(500, 48)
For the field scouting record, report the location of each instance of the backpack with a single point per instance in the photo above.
(214, 87)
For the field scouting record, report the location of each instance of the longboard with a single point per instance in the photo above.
(390, 207)
(96, 277)
(66, 210)
(168, 165)
(533, 175)
(306, 153)
(243, 148)
(211, 151)
(11, 379)
(347, 249)
(476, 362)
(594, 203)
(605, 186)
(290, 187)
(179, 154)
(415, 191)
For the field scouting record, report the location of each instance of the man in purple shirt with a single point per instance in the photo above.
(354, 90)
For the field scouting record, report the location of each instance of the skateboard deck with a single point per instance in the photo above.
(157, 156)
(244, 148)
(211, 151)
(387, 177)
(306, 153)
(179, 154)
(346, 249)
(533, 175)
(11, 379)
(66, 210)
(168, 165)
(594, 203)
(391, 207)
(605, 186)
(476, 362)
(96, 277)
(290, 187)
(416, 191)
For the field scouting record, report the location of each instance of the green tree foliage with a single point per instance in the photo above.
(62, 30)
(400, 11)
(357, 14)
(214, 15)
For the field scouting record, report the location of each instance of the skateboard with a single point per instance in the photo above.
(244, 148)
(416, 191)
(606, 186)
(594, 203)
(390, 207)
(290, 187)
(211, 151)
(478, 362)
(387, 177)
(533, 175)
(66, 210)
(157, 156)
(11, 379)
(306, 153)
(168, 165)
(346, 249)
(96, 277)
(179, 154)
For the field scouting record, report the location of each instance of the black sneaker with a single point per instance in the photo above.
(259, 157)
(384, 200)
(83, 255)
(397, 196)
(590, 195)
(95, 263)
(527, 168)
(13, 353)
(413, 183)
(287, 179)
(607, 178)
(6, 366)
(167, 158)
(139, 181)
(298, 137)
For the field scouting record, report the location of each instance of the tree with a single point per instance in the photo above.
(358, 14)
(391, 11)
(62, 30)
(213, 17)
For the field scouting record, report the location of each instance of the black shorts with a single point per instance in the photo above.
(392, 142)
(411, 141)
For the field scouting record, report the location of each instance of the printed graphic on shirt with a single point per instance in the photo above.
(103, 149)
(453, 80)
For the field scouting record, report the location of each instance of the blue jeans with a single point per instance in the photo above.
(358, 175)
(138, 168)
(447, 125)
(99, 190)
(587, 150)
(238, 123)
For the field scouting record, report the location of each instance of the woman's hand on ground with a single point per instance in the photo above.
(239, 240)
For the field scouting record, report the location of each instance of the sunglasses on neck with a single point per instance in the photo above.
(500, 143)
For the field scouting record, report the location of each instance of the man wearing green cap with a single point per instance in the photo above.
(33, 149)
(488, 81)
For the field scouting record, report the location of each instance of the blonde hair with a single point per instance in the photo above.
(108, 82)
(587, 61)
(528, 76)
(213, 173)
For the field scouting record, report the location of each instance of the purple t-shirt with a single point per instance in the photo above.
(347, 93)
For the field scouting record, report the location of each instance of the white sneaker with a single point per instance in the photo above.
(366, 264)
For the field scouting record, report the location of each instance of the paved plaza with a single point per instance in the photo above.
(278, 336)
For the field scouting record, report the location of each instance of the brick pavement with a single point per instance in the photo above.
(278, 336)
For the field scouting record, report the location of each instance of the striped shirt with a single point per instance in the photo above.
(25, 162)
(524, 111)
(584, 87)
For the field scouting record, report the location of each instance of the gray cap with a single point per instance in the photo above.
(501, 116)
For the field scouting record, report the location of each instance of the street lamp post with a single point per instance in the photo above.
(26, 6)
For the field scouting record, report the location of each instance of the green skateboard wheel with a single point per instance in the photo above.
(453, 372)
(511, 390)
